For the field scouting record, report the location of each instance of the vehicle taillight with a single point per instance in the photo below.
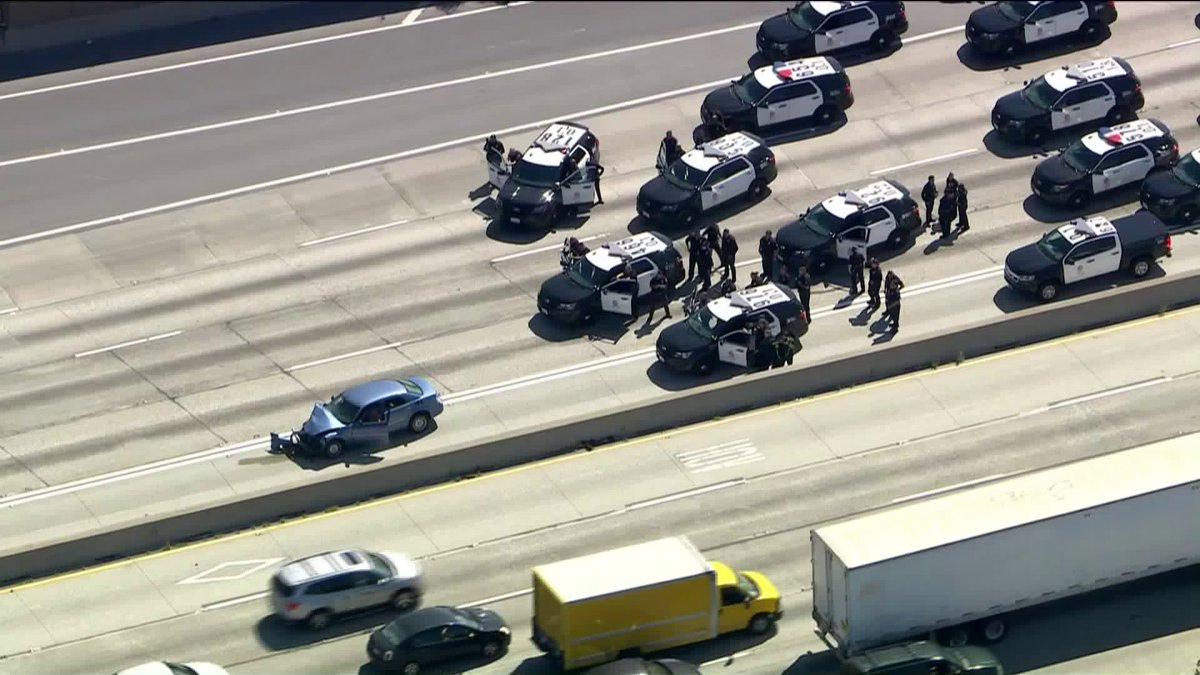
(293, 606)
(770, 159)
(846, 88)
(1137, 87)
(916, 211)
(1168, 243)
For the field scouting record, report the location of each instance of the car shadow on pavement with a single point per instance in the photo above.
(277, 635)
(507, 233)
(813, 663)
(799, 133)
(669, 380)
(981, 62)
(1008, 300)
(1005, 149)
(848, 58)
(1038, 209)
(453, 667)
(362, 456)
(603, 327)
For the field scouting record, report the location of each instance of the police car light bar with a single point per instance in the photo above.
(1093, 226)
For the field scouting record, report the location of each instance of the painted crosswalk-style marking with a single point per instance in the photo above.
(721, 456)
(233, 571)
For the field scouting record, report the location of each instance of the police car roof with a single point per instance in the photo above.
(712, 153)
(790, 71)
(608, 256)
(847, 202)
(827, 8)
(748, 300)
(1066, 77)
(1082, 229)
(552, 145)
(1108, 138)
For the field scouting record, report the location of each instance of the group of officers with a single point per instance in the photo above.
(953, 203)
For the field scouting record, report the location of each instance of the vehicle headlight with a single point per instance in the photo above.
(568, 306)
(683, 355)
(1015, 123)
(1058, 188)
(779, 45)
(670, 208)
(989, 36)
(1022, 277)
(389, 655)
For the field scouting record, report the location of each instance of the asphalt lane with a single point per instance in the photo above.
(60, 191)
(747, 489)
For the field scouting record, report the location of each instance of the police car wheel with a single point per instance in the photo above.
(1010, 48)
(334, 448)
(825, 114)
(882, 39)
(1118, 115)
(1140, 267)
(1035, 136)
(897, 238)
(1187, 215)
(758, 188)
(704, 367)
(1077, 200)
(1048, 291)
(1091, 29)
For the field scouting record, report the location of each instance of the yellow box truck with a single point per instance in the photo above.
(643, 598)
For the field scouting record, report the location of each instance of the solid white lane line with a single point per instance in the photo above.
(342, 357)
(395, 93)
(949, 488)
(932, 34)
(1184, 43)
(319, 173)
(234, 601)
(542, 249)
(10, 310)
(1109, 392)
(726, 659)
(354, 233)
(930, 160)
(497, 598)
(412, 16)
(131, 343)
(684, 495)
(253, 52)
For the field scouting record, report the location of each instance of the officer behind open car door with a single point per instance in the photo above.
(552, 178)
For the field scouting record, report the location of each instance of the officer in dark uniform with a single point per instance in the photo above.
(929, 196)
(493, 147)
(713, 235)
(961, 203)
(662, 291)
(569, 167)
(891, 294)
(876, 280)
(692, 243)
(761, 358)
(595, 171)
(856, 272)
(951, 183)
(768, 248)
(947, 207)
(706, 263)
(729, 249)
(668, 152)
(804, 290)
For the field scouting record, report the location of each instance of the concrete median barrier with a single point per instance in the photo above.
(573, 435)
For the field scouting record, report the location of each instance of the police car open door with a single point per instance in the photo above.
(579, 189)
(855, 238)
(498, 169)
(618, 297)
(734, 348)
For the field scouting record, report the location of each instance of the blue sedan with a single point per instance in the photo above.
(365, 416)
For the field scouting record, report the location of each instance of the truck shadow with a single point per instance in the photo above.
(813, 663)
(1007, 300)
(1104, 620)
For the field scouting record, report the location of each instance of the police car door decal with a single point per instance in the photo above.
(731, 350)
(497, 169)
(617, 297)
(738, 184)
(1075, 264)
(1069, 110)
(1040, 24)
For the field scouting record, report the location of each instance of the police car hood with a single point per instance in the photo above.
(679, 338)
(724, 102)
(798, 237)
(989, 19)
(1056, 170)
(660, 190)
(1028, 259)
(320, 421)
(1014, 106)
(779, 29)
(523, 195)
(1165, 184)
(562, 290)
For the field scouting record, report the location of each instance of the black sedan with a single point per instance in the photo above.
(637, 666)
(435, 634)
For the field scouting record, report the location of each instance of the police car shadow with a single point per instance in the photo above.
(983, 62)
(604, 328)
(1008, 301)
(669, 380)
(1006, 149)
(507, 234)
(1036, 208)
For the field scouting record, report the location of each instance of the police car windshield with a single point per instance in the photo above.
(686, 176)
(804, 17)
(1017, 11)
(1055, 246)
(1040, 93)
(749, 90)
(342, 409)
(1188, 170)
(706, 324)
(822, 222)
(1081, 159)
(584, 273)
(537, 175)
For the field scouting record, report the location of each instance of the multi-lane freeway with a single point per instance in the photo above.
(143, 355)
(747, 489)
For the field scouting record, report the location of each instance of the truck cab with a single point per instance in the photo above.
(749, 601)
(923, 658)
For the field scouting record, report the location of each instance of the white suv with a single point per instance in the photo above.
(316, 589)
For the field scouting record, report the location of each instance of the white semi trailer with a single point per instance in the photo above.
(955, 565)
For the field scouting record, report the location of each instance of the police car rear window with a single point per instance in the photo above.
(538, 175)
(822, 222)
(1040, 93)
(1080, 158)
(686, 176)
(749, 90)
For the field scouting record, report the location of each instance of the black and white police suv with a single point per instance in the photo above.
(1087, 248)
(594, 283)
(717, 172)
(537, 190)
(882, 213)
(811, 28)
(721, 331)
(779, 98)
(1007, 28)
(1104, 161)
(1104, 90)
(1174, 195)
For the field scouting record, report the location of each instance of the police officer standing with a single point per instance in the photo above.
(492, 147)
(946, 210)
(514, 156)
(668, 152)
(595, 171)
(876, 280)
(767, 249)
(961, 203)
(662, 290)
(713, 235)
(951, 183)
(692, 243)
(729, 249)
(891, 294)
(804, 290)
(569, 167)
(929, 196)
(856, 272)
(704, 257)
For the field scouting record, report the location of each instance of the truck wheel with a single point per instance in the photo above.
(334, 448)
(1048, 291)
(954, 637)
(1140, 267)
(419, 423)
(760, 623)
(993, 630)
